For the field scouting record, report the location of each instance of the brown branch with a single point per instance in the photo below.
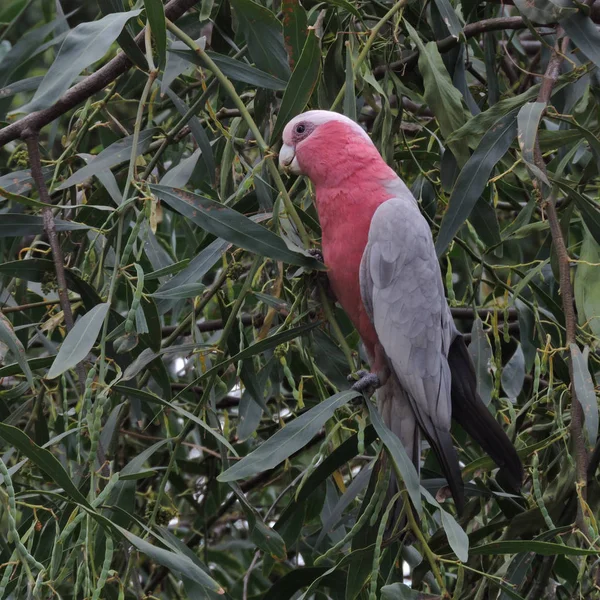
(23, 307)
(450, 42)
(35, 162)
(88, 87)
(459, 312)
(32, 139)
(566, 288)
(217, 324)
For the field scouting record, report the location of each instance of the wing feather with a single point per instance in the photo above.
(401, 288)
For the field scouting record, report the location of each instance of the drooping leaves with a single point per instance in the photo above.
(83, 46)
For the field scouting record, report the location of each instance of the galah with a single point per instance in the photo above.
(383, 269)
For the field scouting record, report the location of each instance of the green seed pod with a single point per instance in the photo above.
(57, 552)
(537, 490)
(129, 324)
(6, 577)
(132, 237)
(108, 556)
(366, 515)
(378, 544)
(135, 303)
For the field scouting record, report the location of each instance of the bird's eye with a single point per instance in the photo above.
(300, 128)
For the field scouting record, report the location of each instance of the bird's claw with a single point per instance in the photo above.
(358, 374)
(316, 253)
(367, 383)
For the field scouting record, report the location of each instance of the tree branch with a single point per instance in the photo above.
(450, 42)
(566, 288)
(32, 140)
(88, 87)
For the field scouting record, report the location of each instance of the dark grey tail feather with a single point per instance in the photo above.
(474, 417)
(441, 443)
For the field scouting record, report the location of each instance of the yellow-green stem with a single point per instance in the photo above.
(431, 557)
(260, 141)
(363, 54)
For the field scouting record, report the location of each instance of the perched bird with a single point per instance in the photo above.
(383, 270)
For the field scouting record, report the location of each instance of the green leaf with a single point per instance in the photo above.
(513, 374)
(231, 225)
(347, 6)
(12, 342)
(473, 178)
(440, 95)
(26, 47)
(472, 131)
(21, 182)
(20, 225)
(196, 270)
(301, 84)
(584, 34)
(234, 69)
(589, 209)
(83, 46)
(294, 29)
(449, 17)
(349, 91)
(44, 459)
(403, 465)
(587, 284)
(262, 31)
(528, 121)
(174, 561)
(20, 199)
(294, 436)
(136, 464)
(267, 539)
(586, 395)
(198, 132)
(541, 548)
(170, 270)
(115, 154)
(545, 11)
(32, 363)
(125, 38)
(457, 538)
(187, 290)
(400, 591)
(481, 353)
(179, 175)
(79, 341)
(153, 398)
(155, 12)
(484, 219)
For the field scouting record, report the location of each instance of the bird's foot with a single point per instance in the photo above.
(321, 279)
(367, 383)
(316, 253)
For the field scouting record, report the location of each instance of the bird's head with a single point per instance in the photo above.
(318, 140)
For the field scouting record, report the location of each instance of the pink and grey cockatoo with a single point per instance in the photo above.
(383, 269)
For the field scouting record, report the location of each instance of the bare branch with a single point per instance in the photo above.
(566, 288)
(32, 139)
(450, 42)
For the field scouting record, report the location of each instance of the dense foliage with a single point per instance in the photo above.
(174, 404)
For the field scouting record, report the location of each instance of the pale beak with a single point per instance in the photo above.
(288, 160)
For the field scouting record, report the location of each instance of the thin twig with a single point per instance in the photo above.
(470, 30)
(32, 141)
(566, 288)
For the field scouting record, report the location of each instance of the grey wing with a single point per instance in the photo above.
(402, 291)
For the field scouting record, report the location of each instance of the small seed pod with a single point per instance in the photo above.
(132, 237)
